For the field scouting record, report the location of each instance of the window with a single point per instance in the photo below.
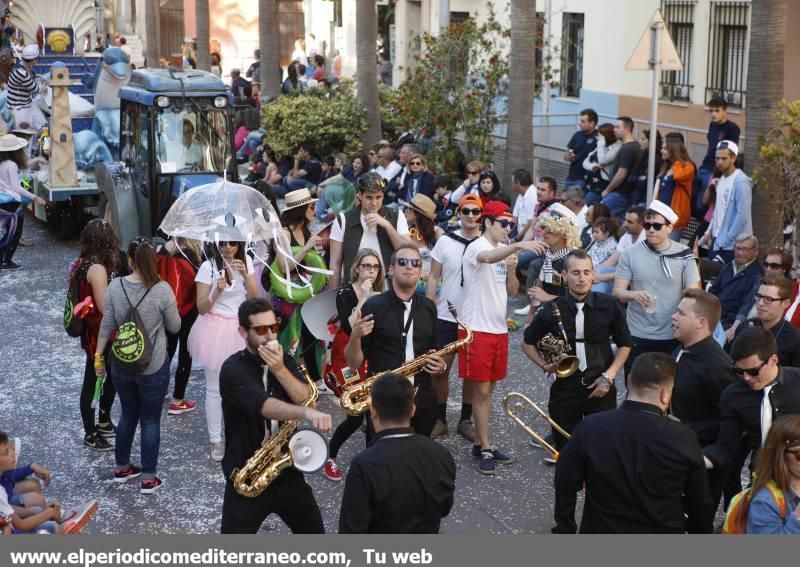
(727, 52)
(679, 17)
(572, 59)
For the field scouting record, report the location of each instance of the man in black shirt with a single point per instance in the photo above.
(749, 406)
(582, 143)
(618, 191)
(601, 319)
(260, 387)
(307, 170)
(772, 300)
(703, 371)
(403, 482)
(396, 327)
(642, 470)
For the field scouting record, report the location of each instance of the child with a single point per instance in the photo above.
(604, 240)
(33, 514)
(441, 197)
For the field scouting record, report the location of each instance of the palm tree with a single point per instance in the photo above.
(367, 68)
(521, 88)
(268, 40)
(203, 59)
(765, 88)
(152, 17)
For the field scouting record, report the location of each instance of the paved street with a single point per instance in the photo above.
(39, 390)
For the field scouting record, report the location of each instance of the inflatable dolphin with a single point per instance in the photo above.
(90, 150)
(111, 74)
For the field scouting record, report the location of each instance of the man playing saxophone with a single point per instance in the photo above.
(591, 321)
(395, 327)
(262, 386)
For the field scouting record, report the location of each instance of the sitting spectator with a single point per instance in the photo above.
(419, 179)
(617, 194)
(441, 196)
(292, 83)
(634, 233)
(638, 177)
(772, 300)
(318, 64)
(307, 170)
(604, 240)
(357, 166)
(328, 165)
(387, 166)
(596, 211)
(240, 87)
(735, 282)
(675, 180)
(600, 161)
(573, 199)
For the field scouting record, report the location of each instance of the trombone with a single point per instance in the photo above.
(513, 411)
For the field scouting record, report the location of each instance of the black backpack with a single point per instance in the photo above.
(73, 324)
(132, 347)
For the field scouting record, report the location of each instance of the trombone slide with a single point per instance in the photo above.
(520, 398)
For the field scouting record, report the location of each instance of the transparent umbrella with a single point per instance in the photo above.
(222, 211)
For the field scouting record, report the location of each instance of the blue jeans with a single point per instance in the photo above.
(704, 175)
(141, 397)
(604, 287)
(591, 198)
(574, 182)
(617, 203)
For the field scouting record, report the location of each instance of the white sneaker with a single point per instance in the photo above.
(522, 311)
(323, 390)
(217, 451)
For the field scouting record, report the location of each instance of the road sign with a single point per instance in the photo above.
(642, 58)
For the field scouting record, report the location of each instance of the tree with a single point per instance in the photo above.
(765, 89)
(268, 36)
(152, 16)
(367, 69)
(521, 89)
(203, 59)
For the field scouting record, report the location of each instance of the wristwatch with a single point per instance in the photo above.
(607, 378)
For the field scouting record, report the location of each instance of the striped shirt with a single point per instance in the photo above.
(21, 88)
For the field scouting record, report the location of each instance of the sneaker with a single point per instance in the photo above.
(522, 310)
(323, 390)
(97, 442)
(124, 475)
(499, 457)
(109, 430)
(549, 461)
(150, 485)
(486, 465)
(75, 524)
(466, 429)
(11, 266)
(331, 470)
(439, 430)
(217, 451)
(185, 406)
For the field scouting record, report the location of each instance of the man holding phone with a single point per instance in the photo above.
(582, 143)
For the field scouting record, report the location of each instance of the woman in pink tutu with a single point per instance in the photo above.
(223, 283)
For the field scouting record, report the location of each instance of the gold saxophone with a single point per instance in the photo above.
(267, 463)
(356, 398)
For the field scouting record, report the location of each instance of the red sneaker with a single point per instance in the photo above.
(183, 407)
(79, 520)
(331, 470)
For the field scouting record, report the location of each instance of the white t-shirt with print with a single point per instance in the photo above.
(233, 296)
(448, 252)
(486, 298)
(369, 239)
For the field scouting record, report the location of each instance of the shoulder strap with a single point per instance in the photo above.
(777, 494)
(122, 283)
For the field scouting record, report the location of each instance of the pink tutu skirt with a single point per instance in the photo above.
(213, 339)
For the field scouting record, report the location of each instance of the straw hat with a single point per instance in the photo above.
(298, 198)
(423, 205)
(10, 143)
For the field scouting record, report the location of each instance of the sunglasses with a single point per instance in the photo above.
(228, 243)
(773, 266)
(264, 329)
(416, 163)
(372, 267)
(414, 262)
(473, 212)
(654, 225)
(474, 172)
(751, 371)
(505, 223)
(767, 299)
(794, 452)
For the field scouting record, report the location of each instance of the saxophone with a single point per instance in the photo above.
(267, 463)
(555, 349)
(356, 398)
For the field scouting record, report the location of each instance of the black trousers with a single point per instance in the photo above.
(641, 346)
(87, 393)
(7, 252)
(184, 358)
(570, 403)
(343, 432)
(289, 496)
(425, 416)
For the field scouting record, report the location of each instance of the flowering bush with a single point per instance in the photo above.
(391, 118)
(332, 120)
(780, 150)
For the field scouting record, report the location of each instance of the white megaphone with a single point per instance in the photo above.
(309, 450)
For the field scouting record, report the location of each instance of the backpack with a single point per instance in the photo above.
(75, 309)
(132, 348)
(736, 519)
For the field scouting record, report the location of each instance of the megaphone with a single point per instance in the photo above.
(309, 450)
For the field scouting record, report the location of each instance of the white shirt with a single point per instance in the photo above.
(233, 296)
(581, 217)
(448, 252)
(5, 508)
(369, 239)
(627, 241)
(724, 188)
(390, 171)
(525, 206)
(486, 298)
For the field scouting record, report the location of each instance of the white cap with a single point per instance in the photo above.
(562, 211)
(728, 145)
(663, 210)
(30, 52)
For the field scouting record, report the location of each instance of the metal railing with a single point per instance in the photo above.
(727, 52)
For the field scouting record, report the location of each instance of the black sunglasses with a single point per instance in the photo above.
(474, 172)
(773, 265)
(654, 225)
(264, 329)
(794, 452)
(415, 262)
(228, 243)
(505, 223)
(751, 371)
(416, 163)
(473, 212)
(767, 299)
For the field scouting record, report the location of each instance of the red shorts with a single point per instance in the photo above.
(485, 359)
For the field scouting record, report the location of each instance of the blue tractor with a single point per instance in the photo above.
(176, 132)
